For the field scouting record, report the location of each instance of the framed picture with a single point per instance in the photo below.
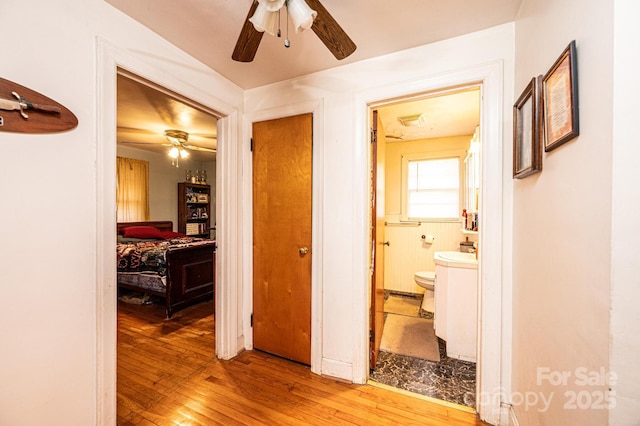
(560, 93)
(527, 149)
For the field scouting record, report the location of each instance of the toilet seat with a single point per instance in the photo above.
(426, 275)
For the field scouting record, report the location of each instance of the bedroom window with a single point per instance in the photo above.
(132, 190)
(431, 189)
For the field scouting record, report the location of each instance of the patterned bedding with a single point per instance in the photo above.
(143, 263)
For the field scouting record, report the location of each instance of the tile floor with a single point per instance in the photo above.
(450, 380)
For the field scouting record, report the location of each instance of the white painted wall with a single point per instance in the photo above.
(344, 187)
(562, 223)
(625, 274)
(49, 372)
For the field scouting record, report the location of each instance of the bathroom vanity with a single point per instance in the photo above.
(456, 303)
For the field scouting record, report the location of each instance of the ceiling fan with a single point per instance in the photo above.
(315, 15)
(177, 140)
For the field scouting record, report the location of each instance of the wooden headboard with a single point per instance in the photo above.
(162, 225)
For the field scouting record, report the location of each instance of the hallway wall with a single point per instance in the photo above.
(562, 225)
(342, 216)
(52, 371)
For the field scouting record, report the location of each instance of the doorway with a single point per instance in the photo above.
(416, 135)
(144, 111)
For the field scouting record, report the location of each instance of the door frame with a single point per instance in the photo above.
(228, 177)
(317, 109)
(494, 269)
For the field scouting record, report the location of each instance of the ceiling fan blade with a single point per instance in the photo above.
(330, 33)
(248, 40)
(136, 130)
(199, 148)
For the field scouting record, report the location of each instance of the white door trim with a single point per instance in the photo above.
(317, 109)
(228, 178)
(493, 260)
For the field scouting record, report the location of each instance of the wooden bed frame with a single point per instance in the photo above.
(190, 272)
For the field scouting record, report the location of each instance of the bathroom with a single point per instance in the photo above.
(442, 131)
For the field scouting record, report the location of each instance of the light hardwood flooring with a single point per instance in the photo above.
(168, 375)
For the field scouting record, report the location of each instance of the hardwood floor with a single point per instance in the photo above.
(168, 375)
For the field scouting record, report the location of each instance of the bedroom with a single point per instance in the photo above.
(150, 182)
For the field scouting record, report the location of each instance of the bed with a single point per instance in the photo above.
(157, 261)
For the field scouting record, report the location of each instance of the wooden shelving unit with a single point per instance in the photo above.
(194, 209)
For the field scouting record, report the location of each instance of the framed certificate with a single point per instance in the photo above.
(560, 94)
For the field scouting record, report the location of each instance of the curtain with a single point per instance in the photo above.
(132, 190)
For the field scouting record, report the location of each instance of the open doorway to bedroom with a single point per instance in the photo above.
(166, 209)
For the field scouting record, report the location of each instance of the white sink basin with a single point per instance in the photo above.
(456, 256)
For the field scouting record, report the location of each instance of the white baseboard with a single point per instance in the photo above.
(337, 369)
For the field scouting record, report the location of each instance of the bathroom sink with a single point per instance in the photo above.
(456, 256)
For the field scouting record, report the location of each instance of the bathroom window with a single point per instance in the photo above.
(431, 188)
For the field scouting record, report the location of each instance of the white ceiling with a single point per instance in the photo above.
(208, 31)
(454, 113)
(145, 111)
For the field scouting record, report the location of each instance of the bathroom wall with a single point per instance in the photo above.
(406, 253)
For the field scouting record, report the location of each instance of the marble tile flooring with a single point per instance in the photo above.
(450, 380)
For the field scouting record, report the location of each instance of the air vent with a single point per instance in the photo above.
(416, 120)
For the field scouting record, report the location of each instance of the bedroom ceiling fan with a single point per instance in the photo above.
(264, 16)
(178, 141)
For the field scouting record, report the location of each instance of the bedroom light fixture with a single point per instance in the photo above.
(177, 138)
(267, 17)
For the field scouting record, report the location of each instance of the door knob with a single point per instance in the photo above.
(303, 251)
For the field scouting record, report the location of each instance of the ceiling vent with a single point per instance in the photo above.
(416, 120)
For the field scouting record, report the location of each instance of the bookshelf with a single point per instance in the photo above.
(194, 209)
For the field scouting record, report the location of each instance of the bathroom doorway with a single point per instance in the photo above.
(432, 138)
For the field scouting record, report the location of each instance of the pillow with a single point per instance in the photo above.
(122, 239)
(142, 232)
(167, 235)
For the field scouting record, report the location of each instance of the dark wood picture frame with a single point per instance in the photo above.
(527, 129)
(560, 94)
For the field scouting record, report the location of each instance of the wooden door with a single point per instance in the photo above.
(282, 188)
(376, 311)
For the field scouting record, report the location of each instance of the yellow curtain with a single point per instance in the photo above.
(132, 191)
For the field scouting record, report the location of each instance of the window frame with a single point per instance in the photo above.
(426, 156)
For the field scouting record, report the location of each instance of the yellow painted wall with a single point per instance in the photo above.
(406, 253)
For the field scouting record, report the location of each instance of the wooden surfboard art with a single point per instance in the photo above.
(23, 110)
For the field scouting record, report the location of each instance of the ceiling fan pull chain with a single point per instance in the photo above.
(287, 42)
(279, 33)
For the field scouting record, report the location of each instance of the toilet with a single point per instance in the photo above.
(426, 280)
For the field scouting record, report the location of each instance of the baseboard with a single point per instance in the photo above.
(337, 369)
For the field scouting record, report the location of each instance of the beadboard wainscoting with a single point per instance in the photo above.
(406, 253)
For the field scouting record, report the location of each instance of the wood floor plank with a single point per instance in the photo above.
(168, 374)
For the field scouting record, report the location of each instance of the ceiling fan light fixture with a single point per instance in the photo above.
(272, 5)
(174, 152)
(265, 20)
(184, 153)
(301, 14)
